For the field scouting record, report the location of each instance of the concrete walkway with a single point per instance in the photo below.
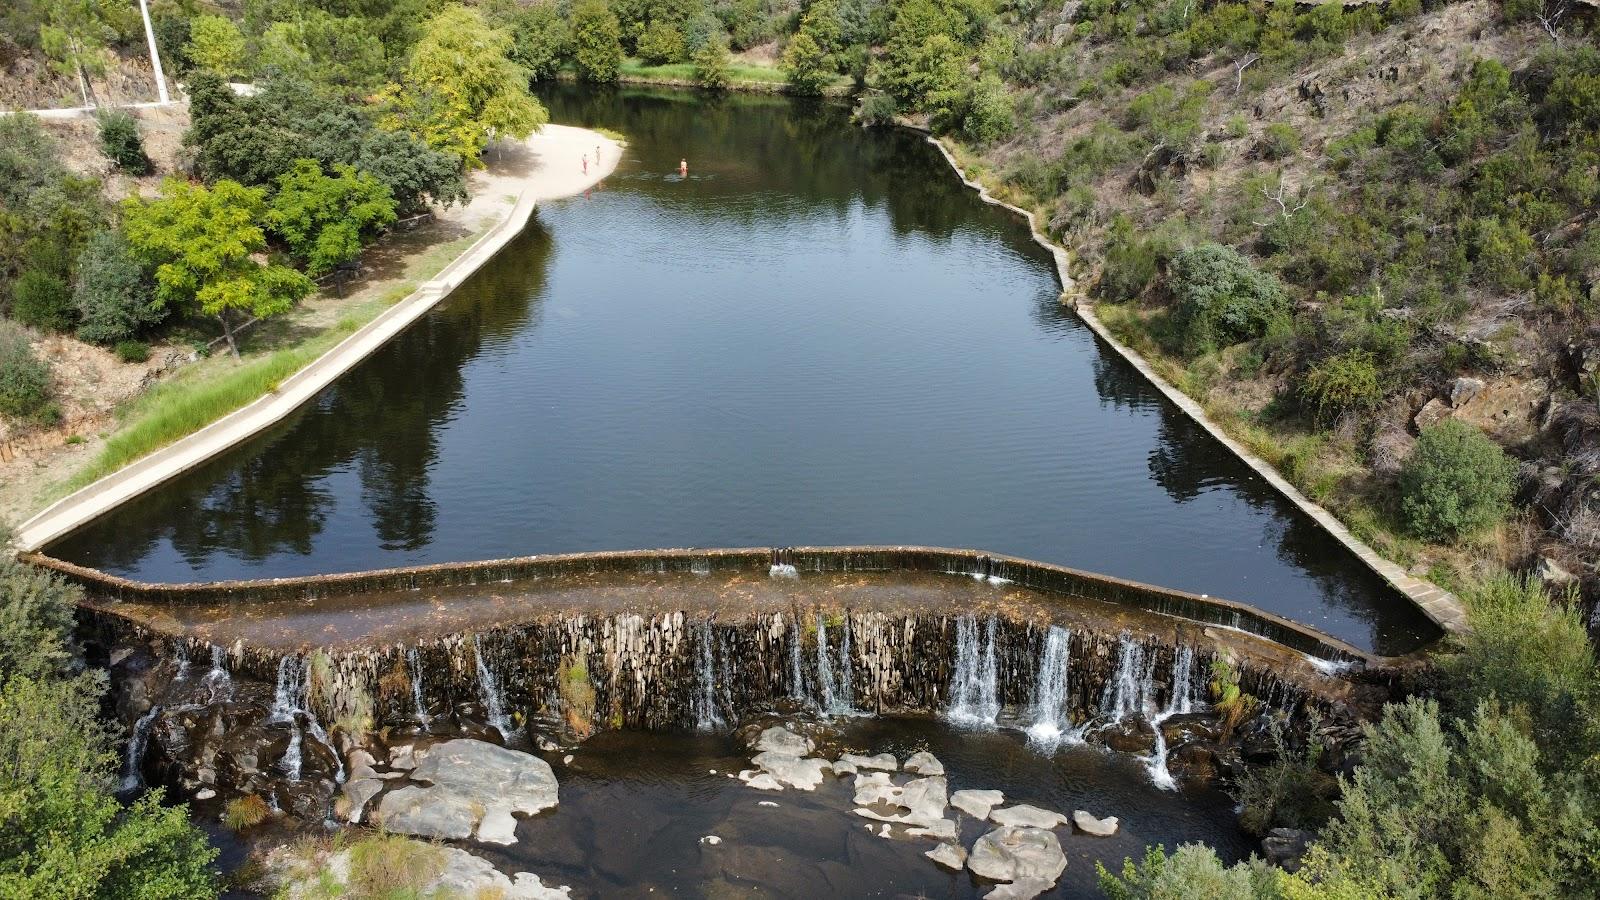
(547, 166)
(1442, 607)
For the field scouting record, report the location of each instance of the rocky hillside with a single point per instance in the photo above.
(1420, 184)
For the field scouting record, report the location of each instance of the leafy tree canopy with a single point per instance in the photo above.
(325, 219)
(461, 88)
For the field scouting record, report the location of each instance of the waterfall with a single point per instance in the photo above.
(783, 570)
(217, 682)
(1050, 725)
(183, 662)
(493, 701)
(706, 716)
(1127, 691)
(1181, 700)
(416, 689)
(291, 703)
(133, 764)
(797, 682)
(974, 686)
(837, 693)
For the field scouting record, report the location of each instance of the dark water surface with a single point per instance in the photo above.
(819, 337)
(649, 798)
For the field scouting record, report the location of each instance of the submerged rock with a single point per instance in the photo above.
(778, 739)
(471, 786)
(1088, 824)
(1021, 889)
(1029, 816)
(922, 800)
(1018, 853)
(977, 803)
(761, 781)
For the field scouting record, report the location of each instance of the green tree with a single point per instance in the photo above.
(989, 113)
(75, 40)
(461, 88)
(711, 64)
(808, 68)
(233, 137)
(662, 43)
(325, 220)
(1193, 870)
(202, 242)
(596, 41)
(215, 46)
(1455, 481)
(112, 294)
(338, 52)
(541, 40)
(42, 300)
(414, 173)
(1221, 298)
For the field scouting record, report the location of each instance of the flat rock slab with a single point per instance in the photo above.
(470, 786)
(778, 739)
(883, 761)
(1021, 889)
(919, 803)
(977, 803)
(951, 856)
(1017, 853)
(761, 781)
(924, 763)
(802, 774)
(1088, 824)
(1028, 816)
(465, 875)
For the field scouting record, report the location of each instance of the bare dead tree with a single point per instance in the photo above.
(1239, 65)
(1550, 16)
(1285, 212)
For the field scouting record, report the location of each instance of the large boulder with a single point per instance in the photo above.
(1017, 853)
(1030, 816)
(469, 787)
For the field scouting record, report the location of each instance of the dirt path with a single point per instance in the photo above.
(547, 166)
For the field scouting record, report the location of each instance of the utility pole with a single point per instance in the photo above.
(155, 55)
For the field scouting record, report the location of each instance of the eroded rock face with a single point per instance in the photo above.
(1017, 853)
(471, 787)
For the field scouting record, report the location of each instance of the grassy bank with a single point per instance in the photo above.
(206, 391)
(742, 76)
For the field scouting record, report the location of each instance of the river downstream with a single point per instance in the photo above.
(818, 337)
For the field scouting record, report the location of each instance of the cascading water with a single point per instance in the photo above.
(133, 763)
(706, 716)
(783, 570)
(837, 693)
(974, 686)
(1049, 725)
(1127, 691)
(1181, 700)
(218, 684)
(494, 705)
(291, 703)
(420, 705)
(182, 653)
(797, 682)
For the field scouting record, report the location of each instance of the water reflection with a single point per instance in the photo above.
(819, 337)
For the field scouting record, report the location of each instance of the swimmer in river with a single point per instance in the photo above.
(683, 168)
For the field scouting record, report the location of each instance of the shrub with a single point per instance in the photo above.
(215, 45)
(596, 41)
(1193, 870)
(1289, 792)
(244, 812)
(119, 141)
(42, 300)
(132, 351)
(877, 108)
(989, 115)
(1222, 298)
(808, 67)
(661, 43)
(1345, 383)
(113, 296)
(24, 377)
(1279, 141)
(1455, 482)
(711, 65)
(387, 865)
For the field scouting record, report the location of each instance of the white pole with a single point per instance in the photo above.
(155, 55)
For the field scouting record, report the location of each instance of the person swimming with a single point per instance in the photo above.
(683, 168)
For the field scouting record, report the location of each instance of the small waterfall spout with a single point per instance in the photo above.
(974, 686)
(420, 705)
(182, 653)
(133, 763)
(1127, 691)
(218, 684)
(783, 564)
(494, 702)
(797, 681)
(291, 703)
(1183, 699)
(706, 716)
(838, 697)
(1049, 725)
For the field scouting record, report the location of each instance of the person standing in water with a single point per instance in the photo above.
(586, 164)
(683, 168)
